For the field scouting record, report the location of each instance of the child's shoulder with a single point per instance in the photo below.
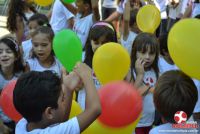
(69, 127)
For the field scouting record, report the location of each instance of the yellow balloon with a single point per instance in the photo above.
(99, 128)
(184, 46)
(148, 18)
(43, 2)
(75, 109)
(111, 62)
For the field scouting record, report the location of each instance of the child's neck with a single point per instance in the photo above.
(39, 125)
(86, 13)
(48, 62)
(8, 72)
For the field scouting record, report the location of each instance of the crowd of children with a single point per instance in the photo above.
(43, 93)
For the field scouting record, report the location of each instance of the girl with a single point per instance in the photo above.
(34, 22)
(100, 33)
(42, 53)
(10, 68)
(144, 71)
(18, 14)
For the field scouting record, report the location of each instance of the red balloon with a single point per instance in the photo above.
(121, 104)
(6, 101)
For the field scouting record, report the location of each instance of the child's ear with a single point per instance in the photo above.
(49, 113)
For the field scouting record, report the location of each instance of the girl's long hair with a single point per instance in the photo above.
(141, 44)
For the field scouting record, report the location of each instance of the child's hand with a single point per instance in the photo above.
(71, 81)
(83, 71)
(139, 66)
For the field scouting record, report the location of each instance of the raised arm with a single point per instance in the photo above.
(95, 10)
(126, 20)
(93, 106)
(70, 7)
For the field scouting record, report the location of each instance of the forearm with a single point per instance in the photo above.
(70, 7)
(113, 16)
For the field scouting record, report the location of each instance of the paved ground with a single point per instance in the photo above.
(3, 30)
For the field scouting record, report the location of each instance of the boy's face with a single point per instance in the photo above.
(60, 113)
(80, 6)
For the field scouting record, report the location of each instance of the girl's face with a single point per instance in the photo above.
(146, 57)
(98, 43)
(32, 25)
(42, 46)
(7, 56)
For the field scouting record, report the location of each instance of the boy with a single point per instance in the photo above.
(45, 104)
(174, 92)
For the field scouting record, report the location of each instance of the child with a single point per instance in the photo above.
(18, 14)
(130, 28)
(100, 33)
(144, 71)
(34, 23)
(10, 68)
(45, 103)
(61, 17)
(165, 61)
(174, 92)
(193, 9)
(42, 53)
(86, 13)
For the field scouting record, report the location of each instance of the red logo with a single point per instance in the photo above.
(180, 117)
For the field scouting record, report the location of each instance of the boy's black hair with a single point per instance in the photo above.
(88, 2)
(34, 92)
(175, 91)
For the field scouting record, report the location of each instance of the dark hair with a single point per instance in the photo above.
(88, 2)
(174, 92)
(96, 31)
(163, 44)
(17, 8)
(133, 15)
(34, 92)
(41, 19)
(141, 44)
(12, 44)
(45, 30)
(197, 16)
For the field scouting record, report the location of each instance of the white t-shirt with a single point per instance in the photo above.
(35, 66)
(69, 127)
(148, 112)
(82, 93)
(196, 9)
(82, 27)
(109, 3)
(181, 8)
(26, 47)
(60, 16)
(129, 42)
(168, 129)
(164, 66)
(162, 6)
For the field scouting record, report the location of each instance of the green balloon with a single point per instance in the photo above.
(68, 1)
(67, 48)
